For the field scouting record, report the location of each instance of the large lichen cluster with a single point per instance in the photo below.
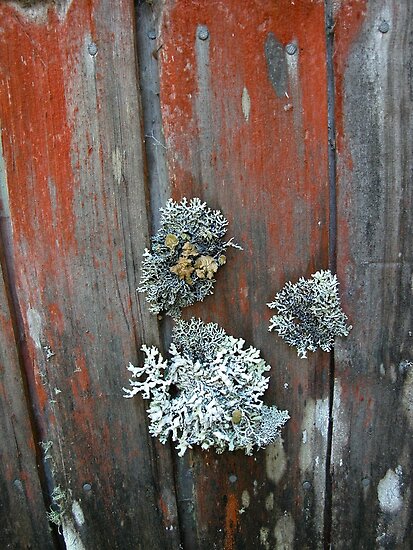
(185, 254)
(208, 393)
(309, 313)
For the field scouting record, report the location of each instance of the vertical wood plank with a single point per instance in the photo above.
(71, 132)
(372, 436)
(246, 130)
(22, 509)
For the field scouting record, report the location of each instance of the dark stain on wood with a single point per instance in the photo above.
(276, 64)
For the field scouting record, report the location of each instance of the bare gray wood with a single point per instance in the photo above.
(372, 448)
(23, 522)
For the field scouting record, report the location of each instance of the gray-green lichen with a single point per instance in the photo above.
(185, 255)
(309, 313)
(208, 393)
(58, 508)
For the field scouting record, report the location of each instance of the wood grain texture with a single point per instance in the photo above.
(23, 522)
(372, 436)
(71, 133)
(245, 129)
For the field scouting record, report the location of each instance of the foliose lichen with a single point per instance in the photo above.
(208, 393)
(185, 254)
(309, 313)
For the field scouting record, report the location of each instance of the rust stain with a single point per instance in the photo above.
(231, 522)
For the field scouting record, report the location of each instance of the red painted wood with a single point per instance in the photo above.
(372, 438)
(70, 119)
(263, 161)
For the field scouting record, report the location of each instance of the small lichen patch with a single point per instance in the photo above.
(209, 393)
(275, 461)
(185, 255)
(264, 536)
(388, 491)
(245, 499)
(269, 502)
(284, 532)
(309, 313)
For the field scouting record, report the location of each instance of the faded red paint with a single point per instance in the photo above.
(231, 522)
(347, 25)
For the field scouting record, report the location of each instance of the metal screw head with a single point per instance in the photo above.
(203, 33)
(306, 485)
(152, 34)
(384, 27)
(87, 487)
(291, 48)
(365, 482)
(233, 478)
(92, 49)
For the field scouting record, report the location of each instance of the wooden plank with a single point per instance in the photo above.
(71, 130)
(245, 129)
(22, 509)
(372, 436)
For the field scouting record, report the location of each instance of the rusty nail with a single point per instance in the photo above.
(92, 49)
(152, 34)
(87, 487)
(365, 482)
(306, 485)
(203, 33)
(384, 27)
(291, 48)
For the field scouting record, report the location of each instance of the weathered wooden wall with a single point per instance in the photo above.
(106, 110)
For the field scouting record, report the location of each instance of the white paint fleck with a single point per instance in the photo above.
(264, 532)
(245, 498)
(275, 461)
(304, 437)
(35, 326)
(382, 370)
(284, 532)
(246, 104)
(388, 491)
(269, 502)
(307, 427)
(393, 374)
(77, 513)
(322, 416)
(341, 425)
(71, 536)
(286, 385)
(117, 165)
(407, 397)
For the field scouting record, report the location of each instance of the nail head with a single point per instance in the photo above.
(92, 49)
(152, 34)
(306, 485)
(203, 33)
(384, 27)
(291, 48)
(233, 478)
(87, 487)
(365, 482)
